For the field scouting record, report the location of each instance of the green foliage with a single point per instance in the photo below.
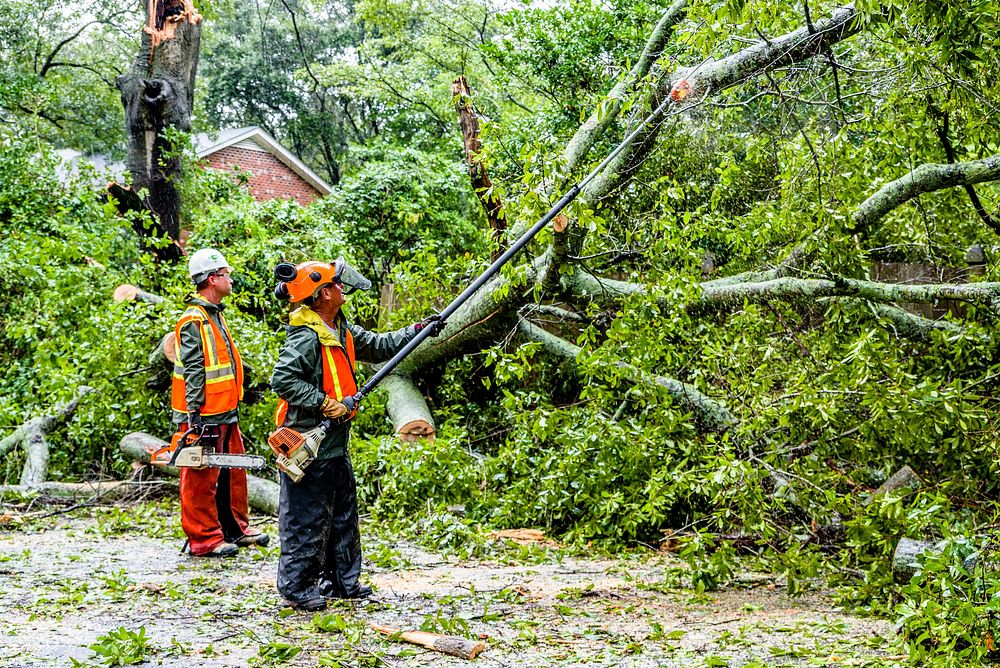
(122, 647)
(399, 202)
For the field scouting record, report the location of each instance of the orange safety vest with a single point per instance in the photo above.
(223, 376)
(338, 377)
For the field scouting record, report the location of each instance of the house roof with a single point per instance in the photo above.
(206, 145)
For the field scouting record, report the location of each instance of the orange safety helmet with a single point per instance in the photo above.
(301, 281)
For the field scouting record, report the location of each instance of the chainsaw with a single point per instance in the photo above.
(295, 449)
(190, 449)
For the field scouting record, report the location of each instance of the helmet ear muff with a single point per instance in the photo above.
(281, 291)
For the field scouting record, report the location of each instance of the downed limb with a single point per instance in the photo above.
(793, 290)
(261, 494)
(710, 413)
(592, 129)
(807, 289)
(453, 645)
(771, 54)
(32, 434)
(924, 179)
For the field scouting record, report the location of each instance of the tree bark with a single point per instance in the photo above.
(158, 96)
(262, 494)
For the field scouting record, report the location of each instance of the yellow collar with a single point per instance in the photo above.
(304, 316)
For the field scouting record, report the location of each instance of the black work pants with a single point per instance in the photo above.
(319, 531)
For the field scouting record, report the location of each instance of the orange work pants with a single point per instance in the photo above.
(214, 501)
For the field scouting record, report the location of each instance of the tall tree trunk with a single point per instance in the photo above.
(158, 94)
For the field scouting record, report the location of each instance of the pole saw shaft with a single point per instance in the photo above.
(352, 401)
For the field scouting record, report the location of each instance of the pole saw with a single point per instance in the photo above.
(677, 93)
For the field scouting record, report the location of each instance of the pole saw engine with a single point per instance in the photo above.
(295, 449)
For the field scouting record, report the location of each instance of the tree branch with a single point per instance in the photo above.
(712, 415)
(924, 179)
(591, 130)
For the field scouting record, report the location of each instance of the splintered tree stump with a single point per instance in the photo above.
(453, 645)
(157, 92)
(408, 409)
(481, 183)
(262, 494)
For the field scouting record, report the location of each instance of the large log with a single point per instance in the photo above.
(408, 410)
(262, 494)
(99, 490)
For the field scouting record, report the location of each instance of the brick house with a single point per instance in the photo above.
(274, 172)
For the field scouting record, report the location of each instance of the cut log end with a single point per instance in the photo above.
(415, 430)
(126, 293)
(560, 222)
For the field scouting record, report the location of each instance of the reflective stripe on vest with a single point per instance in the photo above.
(339, 380)
(223, 376)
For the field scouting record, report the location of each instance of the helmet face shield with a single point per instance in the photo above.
(349, 278)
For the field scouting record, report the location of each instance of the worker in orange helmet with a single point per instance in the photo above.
(318, 515)
(206, 391)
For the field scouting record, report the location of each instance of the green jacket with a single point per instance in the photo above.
(193, 358)
(298, 375)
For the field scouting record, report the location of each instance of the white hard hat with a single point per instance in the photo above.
(204, 261)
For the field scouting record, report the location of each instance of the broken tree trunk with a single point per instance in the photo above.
(453, 645)
(32, 434)
(158, 95)
(261, 494)
(408, 410)
(481, 183)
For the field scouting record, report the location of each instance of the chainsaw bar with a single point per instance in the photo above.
(225, 461)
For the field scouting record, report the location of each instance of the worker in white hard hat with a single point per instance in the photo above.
(206, 392)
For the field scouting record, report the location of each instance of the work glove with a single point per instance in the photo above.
(195, 422)
(332, 408)
(434, 322)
